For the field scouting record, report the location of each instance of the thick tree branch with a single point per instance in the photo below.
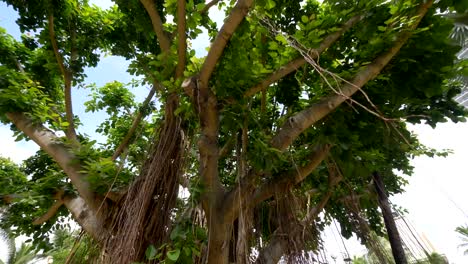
(53, 41)
(182, 39)
(49, 214)
(85, 217)
(77, 207)
(67, 77)
(156, 21)
(295, 176)
(238, 14)
(245, 193)
(299, 122)
(51, 144)
(52, 210)
(208, 148)
(209, 118)
(390, 225)
(206, 106)
(299, 62)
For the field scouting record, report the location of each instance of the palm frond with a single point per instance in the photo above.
(10, 241)
(25, 254)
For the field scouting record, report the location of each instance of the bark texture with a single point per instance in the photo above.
(145, 215)
(392, 230)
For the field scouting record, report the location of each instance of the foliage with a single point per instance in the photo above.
(31, 198)
(11, 177)
(71, 245)
(288, 82)
(463, 234)
(22, 255)
(370, 257)
(185, 245)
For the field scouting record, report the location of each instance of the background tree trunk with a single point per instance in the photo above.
(393, 235)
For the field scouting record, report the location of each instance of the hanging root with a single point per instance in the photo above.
(145, 216)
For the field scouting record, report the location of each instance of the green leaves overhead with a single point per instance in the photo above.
(24, 199)
(286, 67)
(80, 29)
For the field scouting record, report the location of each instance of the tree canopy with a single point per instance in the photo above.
(232, 157)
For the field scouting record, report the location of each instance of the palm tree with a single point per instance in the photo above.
(463, 234)
(23, 255)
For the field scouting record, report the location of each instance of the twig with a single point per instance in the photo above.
(136, 121)
(208, 6)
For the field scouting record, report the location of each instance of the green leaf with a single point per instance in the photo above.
(173, 254)
(200, 6)
(270, 4)
(272, 45)
(150, 252)
(177, 232)
(393, 9)
(281, 39)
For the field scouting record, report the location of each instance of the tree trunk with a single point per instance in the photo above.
(393, 235)
(275, 249)
(218, 241)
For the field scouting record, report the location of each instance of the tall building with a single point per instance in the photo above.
(462, 98)
(460, 35)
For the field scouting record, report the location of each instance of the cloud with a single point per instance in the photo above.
(436, 196)
(16, 151)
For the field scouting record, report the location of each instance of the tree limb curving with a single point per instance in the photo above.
(238, 14)
(245, 193)
(304, 119)
(51, 144)
(67, 77)
(299, 62)
(86, 217)
(156, 21)
(136, 121)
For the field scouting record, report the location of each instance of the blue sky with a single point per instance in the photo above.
(110, 68)
(436, 196)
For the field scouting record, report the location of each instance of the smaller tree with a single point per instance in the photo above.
(73, 247)
(22, 255)
(463, 234)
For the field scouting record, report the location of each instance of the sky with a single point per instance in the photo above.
(436, 196)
